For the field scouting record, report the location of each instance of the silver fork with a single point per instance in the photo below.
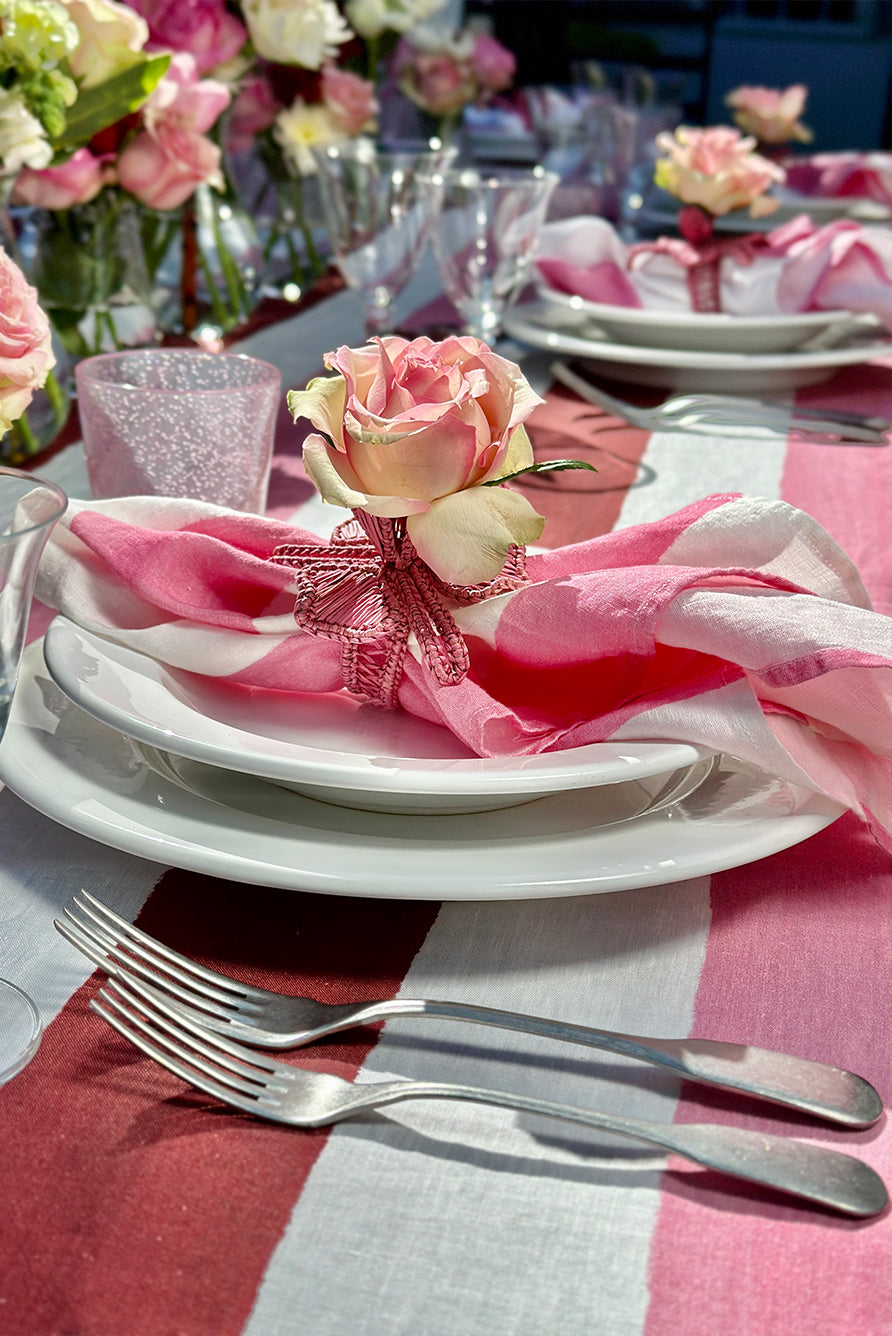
(701, 412)
(254, 1083)
(271, 1020)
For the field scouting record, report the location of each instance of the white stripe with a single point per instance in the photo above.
(754, 466)
(456, 1219)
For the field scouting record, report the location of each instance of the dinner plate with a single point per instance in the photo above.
(683, 369)
(657, 215)
(712, 332)
(95, 780)
(326, 746)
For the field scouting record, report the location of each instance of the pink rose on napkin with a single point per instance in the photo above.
(414, 430)
(771, 114)
(26, 351)
(717, 170)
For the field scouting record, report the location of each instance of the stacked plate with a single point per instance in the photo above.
(697, 351)
(324, 794)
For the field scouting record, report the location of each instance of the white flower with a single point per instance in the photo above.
(23, 141)
(112, 37)
(301, 127)
(370, 18)
(306, 33)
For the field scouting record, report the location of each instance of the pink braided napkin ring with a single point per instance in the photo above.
(370, 590)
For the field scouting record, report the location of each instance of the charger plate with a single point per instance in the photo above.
(180, 813)
(328, 747)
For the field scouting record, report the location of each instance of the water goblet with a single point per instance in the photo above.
(24, 529)
(377, 217)
(484, 237)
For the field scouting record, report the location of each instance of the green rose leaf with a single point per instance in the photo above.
(548, 466)
(108, 102)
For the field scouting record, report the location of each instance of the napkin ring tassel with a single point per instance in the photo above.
(370, 590)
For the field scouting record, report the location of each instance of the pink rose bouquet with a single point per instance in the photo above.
(26, 353)
(771, 115)
(422, 431)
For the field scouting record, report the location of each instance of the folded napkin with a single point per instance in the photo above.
(842, 176)
(736, 623)
(796, 267)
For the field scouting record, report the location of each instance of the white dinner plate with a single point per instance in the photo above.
(682, 369)
(693, 330)
(180, 813)
(326, 746)
(660, 213)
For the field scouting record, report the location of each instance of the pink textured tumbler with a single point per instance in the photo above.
(178, 422)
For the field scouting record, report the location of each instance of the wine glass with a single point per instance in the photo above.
(377, 216)
(23, 533)
(484, 237)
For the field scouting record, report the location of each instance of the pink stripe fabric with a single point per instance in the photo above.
(797, 959)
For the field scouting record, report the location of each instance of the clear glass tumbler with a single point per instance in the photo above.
(29, 508)
(179, 422)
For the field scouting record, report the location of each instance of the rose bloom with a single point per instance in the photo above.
(414, 429)
(112, 37)
(23, 141)
(770, 114)
(172, 155)
(204, 28)
(717, 170)
(304, 126)
(76, 181)
(371, 18)
(26, 349)
(253, 111)
(493, 64)
(306, 33)
(349, 98)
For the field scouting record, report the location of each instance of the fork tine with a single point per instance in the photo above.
(95, 908)
(104, 952)
(167, 1060)
(242, 1068)
(187, 972)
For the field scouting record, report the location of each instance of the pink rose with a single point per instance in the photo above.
(253, 111)
(26, 350)
(204, 28)
(770, 114)
(349, 98)
(165, 162)
(493, 64)
(439, 85)
(415, 429)
(717, 170)
(76, 181)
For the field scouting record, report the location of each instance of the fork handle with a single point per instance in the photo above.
(814, 1087)
(816, 1173)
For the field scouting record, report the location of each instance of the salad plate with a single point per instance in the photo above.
(711, 332)
(181, 813)
(331, 746)
(697, 371)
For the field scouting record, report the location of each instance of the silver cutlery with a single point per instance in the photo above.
(703, 413)
(271, 1020)
(256, 1084)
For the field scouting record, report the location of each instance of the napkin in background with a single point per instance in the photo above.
(736, 623)
(842, 176)
(797, 267)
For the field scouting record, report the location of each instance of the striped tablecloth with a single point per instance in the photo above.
(133, 1206)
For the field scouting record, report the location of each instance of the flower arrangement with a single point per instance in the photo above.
(443, 72)
(418, 439)
(770, 115)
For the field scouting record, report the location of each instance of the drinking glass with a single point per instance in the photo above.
(179, 422)
(24, 530)
(377, 217)
(484, 236)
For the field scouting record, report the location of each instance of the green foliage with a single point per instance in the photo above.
(109, 102)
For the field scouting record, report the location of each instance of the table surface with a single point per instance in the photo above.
(137, 1207)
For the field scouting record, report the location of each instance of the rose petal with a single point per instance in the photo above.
(465, 538)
